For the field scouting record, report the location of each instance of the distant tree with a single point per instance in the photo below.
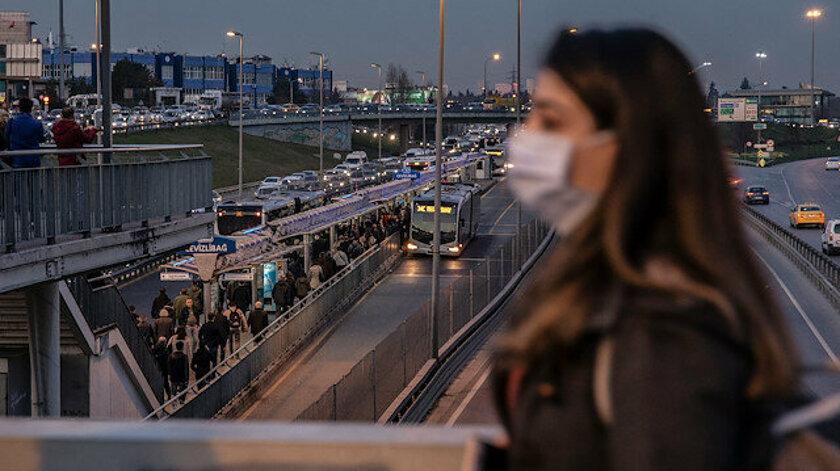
(712, 96)
(396, 78)
(333, 96)
(131, 77)
(79, 86)
(745, 84)
(280, 93)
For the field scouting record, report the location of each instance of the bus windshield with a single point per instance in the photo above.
(423, 222)
(232, 220)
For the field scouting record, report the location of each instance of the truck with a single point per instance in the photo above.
(211, 100)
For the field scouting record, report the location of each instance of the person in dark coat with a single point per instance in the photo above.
(161, 354)
(257, 319)
(202, 362)
(648, 338)
(164, 326)
(179, 366)
(24, 132)
(242, 297)
(223, 326)
(146, 330)
(67, 134)
(159, 302)
(212, 337)
(278, 294)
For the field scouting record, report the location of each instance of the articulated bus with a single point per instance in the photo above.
(460, 210)
(232, 218)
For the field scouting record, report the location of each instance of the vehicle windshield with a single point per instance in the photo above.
(423, 222)
(806, 209)
(756, 189)
(353, 161)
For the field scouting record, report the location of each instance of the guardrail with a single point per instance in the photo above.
(141, 183)
(820, 270)
(261, 355)
(294, 118)
(383, 384)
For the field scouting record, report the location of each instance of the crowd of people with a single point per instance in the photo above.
(182, 340)
(352, 240)
(24, 132)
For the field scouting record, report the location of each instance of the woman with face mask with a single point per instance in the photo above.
(648, 338)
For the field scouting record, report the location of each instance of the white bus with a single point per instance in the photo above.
(460, 210)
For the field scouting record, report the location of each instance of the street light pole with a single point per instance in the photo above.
(423, 118)
(379, 108)
(61, 51)
(519, 108)
(433, 305)
(494, 57)
(321, 114)
(701, 66)
(760, 55)
(237, 34)
(813, 15)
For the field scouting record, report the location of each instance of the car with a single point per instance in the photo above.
(344, 168)
(265, 191)
(830, 237)
(290, 108)
(756, 194)
(832, 163)
(336, 109)
(309, 108)
(807, 214)
(271, 180)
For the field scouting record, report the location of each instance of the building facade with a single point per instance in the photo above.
(788, 105)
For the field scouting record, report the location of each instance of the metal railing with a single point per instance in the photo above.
(283, 337)
(823, 273)
(104, 307)
(367, 391)
(140, 183)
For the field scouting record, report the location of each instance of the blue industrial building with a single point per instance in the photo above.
(194, 74)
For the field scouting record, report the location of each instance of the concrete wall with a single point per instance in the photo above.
(113, 395)
(337, 134)
(75, 399)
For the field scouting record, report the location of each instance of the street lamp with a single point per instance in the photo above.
(813, 15)
(321, 117)
(760, 55)
(701, 66)
(433, 305)
(237, 34)
(423, 114)
(379, 108)
(495, 57)
(518, 95)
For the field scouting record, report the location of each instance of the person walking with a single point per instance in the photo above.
(147, 332)
(67, 134)
(223, 326)
(159, 302)
(161, 355)
(649, 339)
(186, 311)
(236, 323)
(24, 132)
(340, 259)
(180, 302)
(202, 362)
(212, 337)
(301, 287)
(316, 276)
(242, 297)
(278, 295)
(257, 319)
(191, 324)
(178, 362)
(164, 326)
(4, 144)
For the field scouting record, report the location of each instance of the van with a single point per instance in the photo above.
(355, 160)
(830, 237)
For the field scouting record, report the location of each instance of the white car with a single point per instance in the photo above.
(830, 238)
(832, 163)
(355, 160)
(271, 181)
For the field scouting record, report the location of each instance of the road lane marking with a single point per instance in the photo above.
(799, 309)
(473, 391)
(499, 219)
(790, 195)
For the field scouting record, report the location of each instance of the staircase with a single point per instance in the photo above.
(14, 323)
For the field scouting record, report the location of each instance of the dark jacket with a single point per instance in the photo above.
(278, 293)
(257, 321)
(242, 297)
(67, 134)
(146, 331)
(23, 132)
(677, 383)
(159, 302)
(201, 361)
(164, 327)
(211, 335)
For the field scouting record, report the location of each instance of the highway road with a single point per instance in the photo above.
(377, 314)
(813, 322)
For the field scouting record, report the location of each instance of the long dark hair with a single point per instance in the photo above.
(667, 197)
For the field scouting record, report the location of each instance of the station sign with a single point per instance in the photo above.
(407, 174)
(759, 126)
(175, 276)
(234, 276)
(216, 245)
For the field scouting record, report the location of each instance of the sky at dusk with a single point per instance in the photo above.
(355, 33)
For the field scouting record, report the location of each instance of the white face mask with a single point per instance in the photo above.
(539, 178)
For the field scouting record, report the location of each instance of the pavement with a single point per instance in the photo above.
(378, 314)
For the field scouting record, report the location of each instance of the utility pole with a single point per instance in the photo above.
(321, 112)
(433, 306)
(518, 96)
(423, 86)
(61, 52)
(105, 74)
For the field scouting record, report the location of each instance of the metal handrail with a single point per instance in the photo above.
(117, 149)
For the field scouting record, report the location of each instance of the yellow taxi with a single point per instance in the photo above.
(807, 214)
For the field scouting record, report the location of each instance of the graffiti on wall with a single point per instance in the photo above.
(337, 135)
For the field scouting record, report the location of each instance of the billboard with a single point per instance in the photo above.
(737, 110)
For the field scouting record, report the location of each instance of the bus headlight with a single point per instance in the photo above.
(411, 246)
(454, 249)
